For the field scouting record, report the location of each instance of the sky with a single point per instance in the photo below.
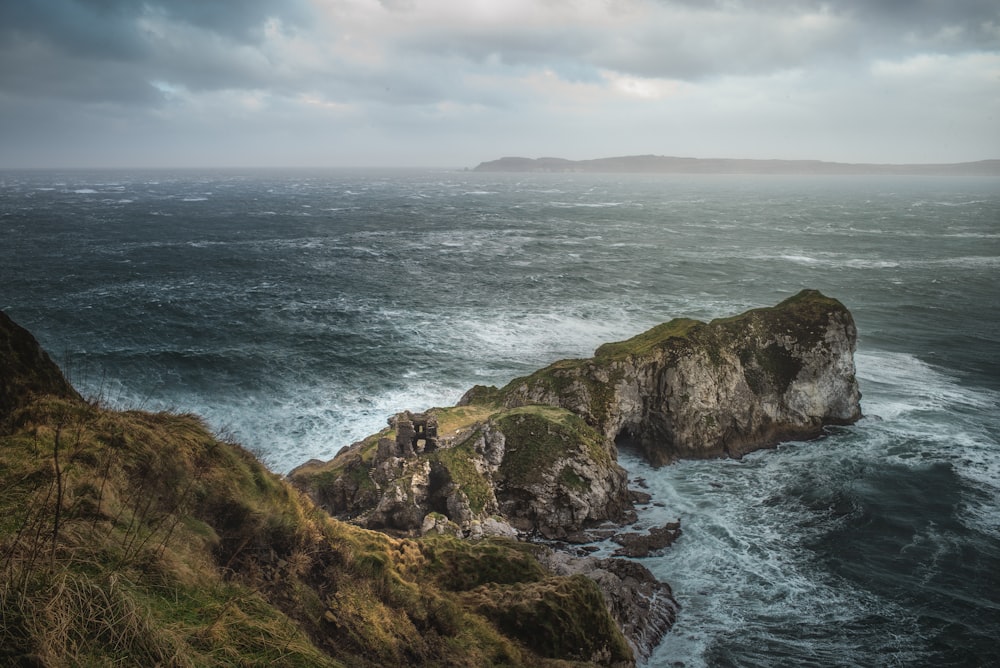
(451, 83)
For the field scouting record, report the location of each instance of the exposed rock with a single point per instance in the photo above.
(26, 370)
(639, 498)
(538, 457)
(725, 388)
(643, 607)
(541, 469)
(557, 475)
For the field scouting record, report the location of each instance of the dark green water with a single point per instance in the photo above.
(297, 310)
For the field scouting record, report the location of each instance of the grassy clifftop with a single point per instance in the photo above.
(135, 538)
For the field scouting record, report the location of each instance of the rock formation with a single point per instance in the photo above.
(643, 607)
(533, 469)
(538, 456)
(689, 389)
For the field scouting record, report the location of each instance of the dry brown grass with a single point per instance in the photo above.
(134, 538)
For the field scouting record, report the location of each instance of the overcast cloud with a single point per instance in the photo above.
(451, 83)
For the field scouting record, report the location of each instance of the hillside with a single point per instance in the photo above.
(136, 538)
(660, 164)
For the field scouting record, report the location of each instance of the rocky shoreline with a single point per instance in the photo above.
(537, 459)
(528, 472)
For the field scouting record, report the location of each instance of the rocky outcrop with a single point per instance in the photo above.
(689, 389)
(643, 607)
(26, 370)
(538, 456)
(530, 470)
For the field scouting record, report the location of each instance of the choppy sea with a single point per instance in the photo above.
(297, 310)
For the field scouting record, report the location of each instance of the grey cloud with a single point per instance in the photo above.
(694, 39)
(101, 30)
(81, 72)
(237, 19)
(103, 27)
(98, 49)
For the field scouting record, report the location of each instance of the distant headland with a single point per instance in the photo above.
(661, 164)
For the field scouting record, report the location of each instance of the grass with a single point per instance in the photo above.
(539, 437)
(650, 340)
(458, 462)
(555, 618)
(140, 538)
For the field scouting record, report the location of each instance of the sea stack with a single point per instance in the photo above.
(689, 389)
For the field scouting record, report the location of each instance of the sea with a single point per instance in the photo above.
(297, 310)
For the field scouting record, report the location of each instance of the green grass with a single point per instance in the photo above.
(133, 537)
(458, 462)
(538, 437)
(555, 618)
(650, 340)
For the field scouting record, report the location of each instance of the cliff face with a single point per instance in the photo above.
(26, 370)
(724, 388)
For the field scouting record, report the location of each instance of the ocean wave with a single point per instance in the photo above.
(751, 591)
(588, 205)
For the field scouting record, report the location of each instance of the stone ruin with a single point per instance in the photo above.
(416, 433)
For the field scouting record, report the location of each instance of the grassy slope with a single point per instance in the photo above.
(132, 538)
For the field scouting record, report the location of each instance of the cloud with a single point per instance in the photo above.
(628, 73)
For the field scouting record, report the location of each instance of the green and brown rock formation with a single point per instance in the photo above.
(142, 538)
(689, 389)
(533, 469)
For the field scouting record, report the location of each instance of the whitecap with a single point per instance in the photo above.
(896, 383)
(870, 264)
(800, 259)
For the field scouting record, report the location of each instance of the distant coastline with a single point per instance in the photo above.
(660, 164)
